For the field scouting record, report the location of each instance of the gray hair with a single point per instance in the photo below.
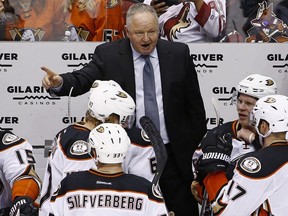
(139, 8)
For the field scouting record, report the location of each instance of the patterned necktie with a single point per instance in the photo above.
(150, 102)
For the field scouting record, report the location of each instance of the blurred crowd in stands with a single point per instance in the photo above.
(179, 20)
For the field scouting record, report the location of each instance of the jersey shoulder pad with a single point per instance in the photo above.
(259, 164)
(138, 136)
(9, 139)
(73, 141)
(226, 128)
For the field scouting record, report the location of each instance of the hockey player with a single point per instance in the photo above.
(69, 149)
(244, 136)
(191, 21)
(259, 185)
(19, 183)
(140, 158)
(106, 190)
(107, 103)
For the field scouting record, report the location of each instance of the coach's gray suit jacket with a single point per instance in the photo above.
(183, 106)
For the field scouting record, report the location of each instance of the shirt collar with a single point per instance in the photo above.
(136, 55)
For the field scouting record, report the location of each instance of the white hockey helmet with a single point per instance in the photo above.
(274, 110)
(110, 142)
(257, 86)
(109, 98)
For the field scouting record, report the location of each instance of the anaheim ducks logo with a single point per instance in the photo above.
(145, 136)
(270, 100)
(27, 34)
(95, 84)
(9, 138)
(121, 94)
(112, 3)
(79, 147)
(251, 165)
(157, 191)
(100, 129)
(78, 34)
(176, 23)
(269, 82)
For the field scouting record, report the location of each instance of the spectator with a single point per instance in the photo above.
(20, 184)
(39, 20)
(192, 21)
(249, 9)
(8, 19)
(107, 190)
(180, 105)
(94, 20)
(264, 171)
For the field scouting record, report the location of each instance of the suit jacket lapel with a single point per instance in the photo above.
(165, 63)
(126, 66)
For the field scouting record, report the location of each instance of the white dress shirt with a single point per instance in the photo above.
(140, 109)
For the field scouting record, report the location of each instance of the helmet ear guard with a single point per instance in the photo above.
(274, 110)
(110, 142)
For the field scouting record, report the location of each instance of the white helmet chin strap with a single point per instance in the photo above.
(93, 158)
(261, 136)
(261, 140)
(267, 134)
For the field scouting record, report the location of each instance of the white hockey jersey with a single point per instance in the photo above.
(106, 195)
(259, 185)
(70, 154)
(182, 22)
(16, 159)
(140, 159)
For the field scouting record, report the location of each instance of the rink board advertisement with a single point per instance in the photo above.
(30, 112)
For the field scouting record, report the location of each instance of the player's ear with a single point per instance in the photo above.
(263, 126)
